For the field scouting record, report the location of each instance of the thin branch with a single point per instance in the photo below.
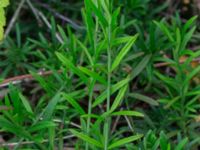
(14, 18)
(62, 17)
(32, 142)
(5, 108)
(129, 124)
(34, 11)
(37, 13)
(49, 26)
(158, 65)
(19, 79)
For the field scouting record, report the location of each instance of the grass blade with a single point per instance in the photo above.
(181, 144)
(48, 111)
(97, 12)
(71, 66)
(119, 97)
(189, 23)
(124, 141)
(74, 103)
(127, 113)
(165, 30)
(114, 88)
(140, 66)
(13, 128)
(94, 75)
(144, 98)
(86, 138)
(26, 104)
(123, 52)
(86, 51)
(41, 125)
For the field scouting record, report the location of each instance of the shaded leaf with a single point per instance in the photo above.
(124, 141)
(74, 103)
(127, 113)
(123, 52)
(144, 98)
(86, 138)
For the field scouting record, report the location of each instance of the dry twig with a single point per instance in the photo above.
(14, 18)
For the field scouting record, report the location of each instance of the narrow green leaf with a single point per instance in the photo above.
(123, 52)
(105, 6)
(134, 56)
(189, 23)
(71, 66)
(165, 30)
(127, 113)
(168, 80)
(163, 141)
(171, 102)
(187, 37)
(13, 128)
(97, 12)
(62, 33)
(86, 138)
(139, 68)
(41, 125)
(124, 141)
(191, 75)
(181, 144)
(115, 42)
(44, 84)
(119, 97)
(87, 16)
(94, 75)
(114, 19)
(86, 52)
(74, 103)
(144, 98)
(49, 110)
(114, 88)
(178, 41)
(26, 104)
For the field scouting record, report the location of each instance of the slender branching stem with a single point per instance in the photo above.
(108, 120)
(91, 87)
(90, 108)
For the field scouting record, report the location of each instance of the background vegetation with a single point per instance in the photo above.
(100, 74)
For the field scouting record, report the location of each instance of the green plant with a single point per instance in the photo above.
(113, 79)
(97, 72)
(162, 142)
(20, 113)
(182, 92)
(15, 55)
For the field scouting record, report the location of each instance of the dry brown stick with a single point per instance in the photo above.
(158, 65)
(34, 12)
(37, 13)
(14, 18)
(19, 79)
(58, 15)
(5, 108)
(32, 142)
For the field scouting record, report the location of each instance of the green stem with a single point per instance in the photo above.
(180, 73)
(108, 120)
(90, 109)
(91, 87)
